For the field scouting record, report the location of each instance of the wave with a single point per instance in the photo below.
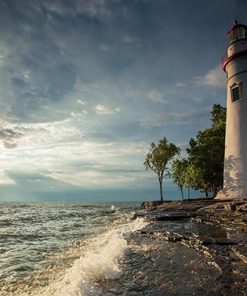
(99, 261)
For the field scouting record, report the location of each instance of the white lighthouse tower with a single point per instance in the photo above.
(235, 163)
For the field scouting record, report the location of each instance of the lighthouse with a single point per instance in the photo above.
(235, 162)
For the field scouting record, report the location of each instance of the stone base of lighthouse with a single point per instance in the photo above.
(235, 176)
(234, 192)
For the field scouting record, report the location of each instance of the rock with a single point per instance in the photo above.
(174, 239)
(219, 242)
(218, 231)
(230, 207)
(242, 208)
(150, 204)
(241, 254)
(174, 217)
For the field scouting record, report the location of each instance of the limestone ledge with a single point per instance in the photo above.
(224, 243)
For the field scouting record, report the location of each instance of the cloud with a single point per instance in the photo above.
(78, 115)
(9, 134)
(39, 134)
(9, 137)
(95, 178)
(197, 100)
(175, 118)
(9, 145)
(93, 7)
(180, 84)
(29, 181)
(97, 165)
(5, 179)
(81, 164)
(105, 47)
(103, 110)
(214, 77)
(152, 95)
(83, 103)
(130, 39)
(67, 68)
(156, 97)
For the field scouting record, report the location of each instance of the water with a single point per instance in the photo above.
(61, 248)
(82, 249)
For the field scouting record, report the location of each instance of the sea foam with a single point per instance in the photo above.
(99, 261)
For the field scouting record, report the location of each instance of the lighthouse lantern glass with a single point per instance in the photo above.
(236, 34)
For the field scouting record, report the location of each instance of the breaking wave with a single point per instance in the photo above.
(99, 261)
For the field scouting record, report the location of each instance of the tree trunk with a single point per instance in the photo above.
(161, 193)
(215, 190)
(182, 192)
(188, 192)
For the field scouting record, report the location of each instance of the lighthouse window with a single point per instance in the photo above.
(236, 91)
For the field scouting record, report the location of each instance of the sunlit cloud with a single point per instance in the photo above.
(83, 103)
(214, 77)
(95, 179)
(103, 110)
(33, 134)
(79, 164)
(5, 180)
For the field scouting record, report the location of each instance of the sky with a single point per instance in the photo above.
(87, 85)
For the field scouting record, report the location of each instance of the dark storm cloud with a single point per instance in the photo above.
(49, 45)
(9, 136)
(33, 67)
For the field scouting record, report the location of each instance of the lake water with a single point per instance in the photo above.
(81, 249)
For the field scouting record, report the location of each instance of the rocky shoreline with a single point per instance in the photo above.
(217, 229)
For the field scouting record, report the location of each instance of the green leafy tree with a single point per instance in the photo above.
(192, 178)
(158, 158)
(206, 154)
(218, 115)
(179, 167)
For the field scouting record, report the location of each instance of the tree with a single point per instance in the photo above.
(158, 158)
(206, 154)
(192, 178)
(179, 167)
(218, 115)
